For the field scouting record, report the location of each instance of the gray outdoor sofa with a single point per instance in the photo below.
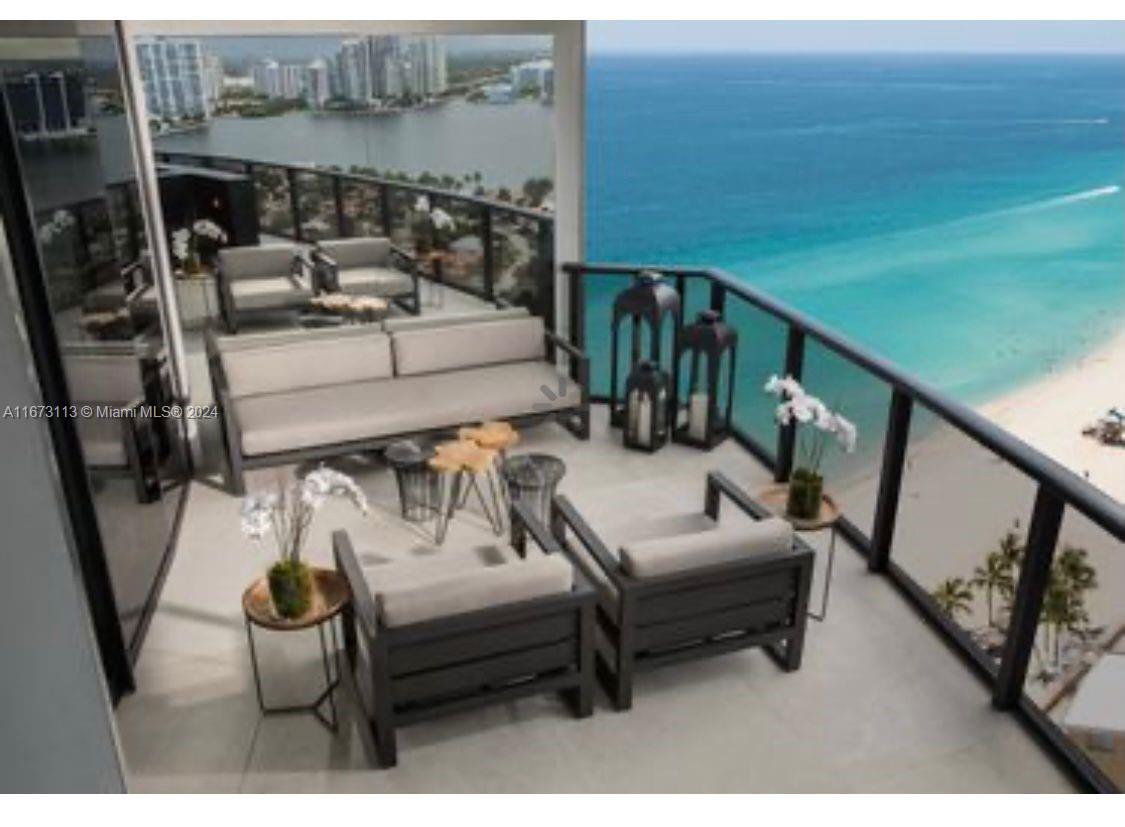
(368, 267)
(295, 395)
(261, 280)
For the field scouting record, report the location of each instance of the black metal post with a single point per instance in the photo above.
(787, 434)
(718, 296)
(338, 197)
(545, 273)
(489, 257)
(577, 310)
(294, 206)
(1042, 536)
(890, 480)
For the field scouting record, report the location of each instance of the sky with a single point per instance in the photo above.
(1086, 37)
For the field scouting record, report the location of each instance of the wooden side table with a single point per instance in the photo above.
(776, 497)
(330, 597)
(455, 463)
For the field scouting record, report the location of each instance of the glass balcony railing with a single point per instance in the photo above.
(1018, 563)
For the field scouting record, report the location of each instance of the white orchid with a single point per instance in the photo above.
(422, 204)
(290, 510)
(206, 228)
(60, 220)
(442, 220)
(798, 407)
(181, 244)
(846, 433)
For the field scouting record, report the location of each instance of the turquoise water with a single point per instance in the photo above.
(963, 216)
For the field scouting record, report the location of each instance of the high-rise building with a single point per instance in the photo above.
(317, 86)
(386, 67)
(267, 78)
(212, 80)
(355, 73)
(534, 76)
(172, 75)
(292, 81)
(44, 105)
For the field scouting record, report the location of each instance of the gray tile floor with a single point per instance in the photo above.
(879, 704)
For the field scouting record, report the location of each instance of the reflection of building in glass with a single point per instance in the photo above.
(47, 104)
(172, 74)
(534, 77)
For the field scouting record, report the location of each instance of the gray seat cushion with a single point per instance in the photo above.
(269, 293)
(409, 592)
(358, 252)
(110, 378)
(468, 345)
(403, 323)
(383, 282)
(714, 544)
(264, 261)
(371, 410)
(103, 441)
(308, 363)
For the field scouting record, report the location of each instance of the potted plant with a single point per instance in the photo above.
(186, 243)
(806, 485)
(288, 513)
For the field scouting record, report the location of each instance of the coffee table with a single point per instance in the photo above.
(330, 597)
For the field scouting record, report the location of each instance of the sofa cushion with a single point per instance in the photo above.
(257, 262)
(375, 281)
(468, 345)
(412, 599)
(403, 323)
(722, 544)
(108, 378)
(357, 252)
(252, 341)
(308, 364)
(103, 441)
(371, 410)
(266, 293)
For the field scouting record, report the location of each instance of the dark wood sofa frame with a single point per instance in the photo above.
(575, 419)
(326, 275)
(660, 620)
(449, 664)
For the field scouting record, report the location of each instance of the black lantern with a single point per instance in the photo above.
(646, 407)
(648, 302)
(707, 408)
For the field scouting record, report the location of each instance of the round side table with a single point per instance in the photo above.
(330, 597)
(532, 479)
(419, 488)
(776, 498)
(460, 464)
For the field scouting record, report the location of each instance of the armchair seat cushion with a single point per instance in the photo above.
(375, 409)
(716, 543)
(383, 282)
(412, 592)
(267, 293)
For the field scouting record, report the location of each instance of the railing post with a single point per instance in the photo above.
(1042, 536)
(545, 273)
(294, 206)
(577, 301)
(890, 480)
(718, 296)
(385, 210)
(787, 434)
(489, 257)
(338, 196)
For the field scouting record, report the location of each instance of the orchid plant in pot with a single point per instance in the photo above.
(806, 484)
(287, 512)
(186, 243)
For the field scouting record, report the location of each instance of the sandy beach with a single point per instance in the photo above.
(1051, 413)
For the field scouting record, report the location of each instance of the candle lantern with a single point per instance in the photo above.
(646, 407)
(648, 303)
(710, 347)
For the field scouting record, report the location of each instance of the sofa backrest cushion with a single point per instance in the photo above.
(266, 261)
(467, 591)
(294, 366)
(468, 345)
(253, 341)
(103, 378)
(400, 324)
(724, 544)
(358, 252)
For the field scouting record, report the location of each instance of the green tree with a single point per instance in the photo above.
(953, 596)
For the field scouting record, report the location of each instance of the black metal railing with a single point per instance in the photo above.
(783, 340)
(491, 249)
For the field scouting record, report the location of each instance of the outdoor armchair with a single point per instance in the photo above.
(368, 267)
(262, 279)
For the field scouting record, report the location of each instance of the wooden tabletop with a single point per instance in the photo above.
(330, 595)
(498, 436)
(462, 455)
(776, 497)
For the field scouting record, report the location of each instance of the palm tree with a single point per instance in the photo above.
(994, 576)
(953, 596)
(1010, 550)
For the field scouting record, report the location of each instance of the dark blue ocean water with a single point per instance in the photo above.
(962, 215)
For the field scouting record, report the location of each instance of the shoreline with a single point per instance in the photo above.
(1050, 412)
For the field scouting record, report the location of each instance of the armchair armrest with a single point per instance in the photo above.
(362, 602)
(719, 484)
(578, 357)
(563, 515)
(407, 258)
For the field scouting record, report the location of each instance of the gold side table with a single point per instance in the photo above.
(776, 497)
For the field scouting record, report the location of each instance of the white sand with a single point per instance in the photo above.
(1051, 413)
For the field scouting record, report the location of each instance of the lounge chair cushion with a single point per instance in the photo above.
(267, 293)
(403, 323)
(308, 364)
(375, 409)
(264, 261)
(721, 544)
(358, 252)
(470, 345)
(406, 597)
(375, 281)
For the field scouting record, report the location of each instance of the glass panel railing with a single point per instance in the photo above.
(1076, 674)
(862, 399)
(316, 206)
(232, 165)
(452, 231)
(275, 210)
(600, 291)
(363, 213)
(761, 353)
(405, 212)
(962, 516)
(522, 252)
